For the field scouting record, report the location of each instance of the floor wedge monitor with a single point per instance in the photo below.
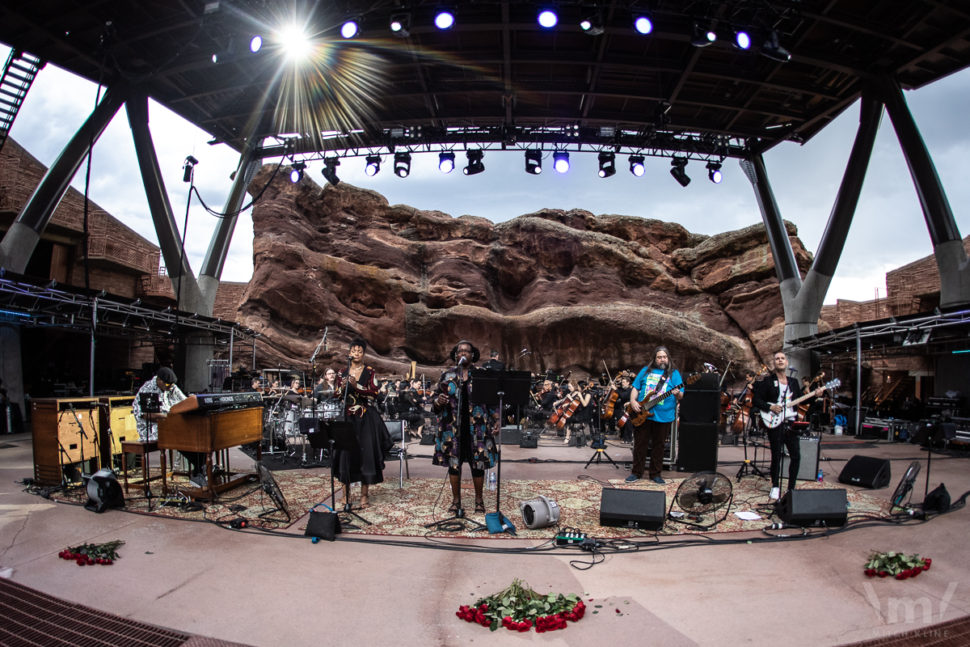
(814, 508)
(643, 509)
(866, 471)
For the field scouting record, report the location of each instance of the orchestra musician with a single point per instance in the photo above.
(146, 423)
(774, 393)
(655, 378)
(493, 363)
(414, 400)
(580, 413)
(326, 386)
(366, 462)
(465, 432)
(623, 388)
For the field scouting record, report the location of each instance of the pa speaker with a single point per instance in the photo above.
(643, 509)
(808, 461)
(813, 508)
(866, 471)
(700, 405)
(697, 447)
(511, 435)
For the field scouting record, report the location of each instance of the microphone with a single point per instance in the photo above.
(462, 361)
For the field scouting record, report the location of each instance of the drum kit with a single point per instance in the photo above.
(289, 420)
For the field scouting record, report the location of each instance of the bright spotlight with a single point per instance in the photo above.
(548, 19)
(643, 25)
(446, 162)
(714, 172)
(373, 165)
(401, 24)
(742, 39)
(402, 164)
(677, 169)
(533, 162)
(295, 42)
(444, 20)
(592, 23)
(607, 164)
(255, 43)
(296, 171)
(560, 161)
(330, 165)
(636, 165)
(475, 165)
(349, 29)
(701, 35)
(772, 49)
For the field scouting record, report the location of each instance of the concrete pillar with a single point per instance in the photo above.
(11, 367)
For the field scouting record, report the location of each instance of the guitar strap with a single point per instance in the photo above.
(660, 385)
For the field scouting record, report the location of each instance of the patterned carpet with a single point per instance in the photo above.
(405, 512)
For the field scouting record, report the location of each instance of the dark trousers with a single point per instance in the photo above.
(784, 434)
(653, 434)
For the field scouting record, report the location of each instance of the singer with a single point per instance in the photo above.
(366, 463)
(465, 433)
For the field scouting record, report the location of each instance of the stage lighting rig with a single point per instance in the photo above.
(188, 168)
(373, 166)
(330, 165)
(475, 165)
(714, 172)
(402, 164)
(533, 162)
(677, 169)
(560, 162)
(702, 35)
(547, 19)
(296, 171)
(400, 25)
(636, 165)
(773, 50)
(446, 162)
(643, 24)
(592, 22)
(444, 19)
(607, 164)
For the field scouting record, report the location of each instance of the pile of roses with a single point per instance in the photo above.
(519, 608)
(90, 554)
(898, 565)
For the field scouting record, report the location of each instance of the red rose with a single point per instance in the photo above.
(883, 574)
(901, 576)
(926, 563)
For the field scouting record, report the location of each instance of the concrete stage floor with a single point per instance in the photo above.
(280, 589)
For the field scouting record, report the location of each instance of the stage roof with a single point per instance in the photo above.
(496, 79)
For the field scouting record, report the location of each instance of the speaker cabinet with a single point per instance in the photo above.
(511, 435)
(866, 471)
(643, 509)
(396, 429)
(808, 463)
(700, 405)
(64, 433)
(814, 508)
(697, 446)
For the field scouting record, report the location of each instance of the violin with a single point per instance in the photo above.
(609, 403)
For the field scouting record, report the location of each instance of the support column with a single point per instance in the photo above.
(12, 369)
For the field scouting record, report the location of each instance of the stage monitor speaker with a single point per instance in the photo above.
(530, 440)
(511, 435)
(866, 471)
(395, 428)
(643, 509)
(697, 446)
(700, 405)
(814, 508)
(808, 463)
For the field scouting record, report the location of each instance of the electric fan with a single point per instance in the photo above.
(268, 484)
(702, 495)
(905, 488)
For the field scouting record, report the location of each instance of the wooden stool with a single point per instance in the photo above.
(143, 449)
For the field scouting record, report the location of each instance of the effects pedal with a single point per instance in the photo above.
(570, 538)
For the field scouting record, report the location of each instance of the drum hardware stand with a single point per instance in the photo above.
(599, 452)
(272, 420)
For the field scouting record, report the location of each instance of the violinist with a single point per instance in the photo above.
(465, 432)
(742, 404)
(414, 400)
(623, 389)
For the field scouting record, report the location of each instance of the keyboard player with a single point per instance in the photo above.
(164, 384)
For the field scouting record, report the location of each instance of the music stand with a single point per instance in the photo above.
(750, 465)
(338, 435)
(491, 388)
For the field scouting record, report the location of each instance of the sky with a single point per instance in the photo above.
(888, 229)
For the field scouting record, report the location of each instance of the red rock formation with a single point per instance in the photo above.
(573, 288)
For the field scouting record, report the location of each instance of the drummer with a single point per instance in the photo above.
(324, 389)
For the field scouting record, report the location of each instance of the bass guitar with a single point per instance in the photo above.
(772, 420)
(647, 405)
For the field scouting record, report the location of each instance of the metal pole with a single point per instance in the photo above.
(232, 339)
(94, 323)
(858, 378)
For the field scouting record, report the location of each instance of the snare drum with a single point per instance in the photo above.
(290, 426)
(332, 410)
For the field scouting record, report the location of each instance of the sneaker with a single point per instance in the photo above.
(632, 478)
(199, 480)
(775, 494)
(658, 480)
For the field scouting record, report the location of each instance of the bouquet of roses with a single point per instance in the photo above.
(519, 608)
(898, 565)
(89, 554)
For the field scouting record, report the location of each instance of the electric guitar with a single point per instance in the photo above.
(647, 404)
(772, 420)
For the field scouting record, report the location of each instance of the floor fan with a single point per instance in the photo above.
(699, 498)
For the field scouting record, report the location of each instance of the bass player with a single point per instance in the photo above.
(657, 377)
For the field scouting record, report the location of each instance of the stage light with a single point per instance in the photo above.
(296, 44)
(560, 162)
(592, 23)
(607, 164)
(188, 168)
(702, 35)
(296, 171)
(742, 39)
(349, 29)
(475, 165)
(636, 165)
(548, 19)
(533, 162)
(444, 19)
(402, 164)
(773, 50)
(373, 165)
(401, 25)
(330, 165)
(677, 166)
(446, 162)
(255, 43)
(714, 172)
(643, 25)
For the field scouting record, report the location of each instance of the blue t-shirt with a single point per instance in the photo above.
(646, 381)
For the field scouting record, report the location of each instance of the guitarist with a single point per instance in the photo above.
(657, 377)
(773, 393)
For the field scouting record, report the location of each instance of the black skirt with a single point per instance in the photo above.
(365, 462)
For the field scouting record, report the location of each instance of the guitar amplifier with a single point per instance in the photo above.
(808, 460)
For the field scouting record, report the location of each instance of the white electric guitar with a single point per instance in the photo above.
(772, 419)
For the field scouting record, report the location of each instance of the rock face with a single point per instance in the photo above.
(572, 289)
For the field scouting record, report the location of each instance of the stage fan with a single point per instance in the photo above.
(268, 484)
(700, 496)
(905, 488)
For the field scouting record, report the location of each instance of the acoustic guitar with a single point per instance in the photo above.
(772, 420)
(647, 405)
